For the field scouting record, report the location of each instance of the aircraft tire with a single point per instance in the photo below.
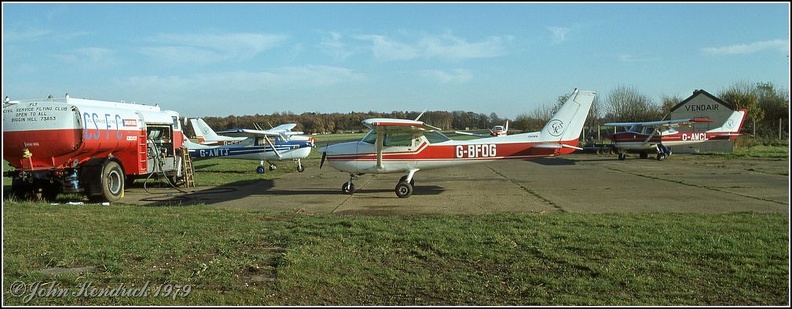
(403, 189)
(300, 168)
(261, 170)
(661, 156)
(348, 188)
(622, 156)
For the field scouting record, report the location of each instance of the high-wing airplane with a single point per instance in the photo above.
(407, 146)
(658, 136)
(279, 143)
(495, 131)
(207, 136)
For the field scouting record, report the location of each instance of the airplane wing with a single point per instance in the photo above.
(249, 133)
(283, 127)
(472, 134)
(397, 125)
(659, 122)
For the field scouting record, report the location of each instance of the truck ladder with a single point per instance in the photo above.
(142, 152)
(187, 168)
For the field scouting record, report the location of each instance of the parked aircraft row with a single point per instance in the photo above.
(408, 146)
(279, 143)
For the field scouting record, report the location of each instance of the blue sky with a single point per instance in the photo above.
(217, 59)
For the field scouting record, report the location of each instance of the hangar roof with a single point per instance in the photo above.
(705, 93)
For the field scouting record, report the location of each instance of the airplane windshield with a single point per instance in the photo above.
(435, 137)
(370, 138)
(403, 139)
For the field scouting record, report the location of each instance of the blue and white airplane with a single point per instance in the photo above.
(279, 143)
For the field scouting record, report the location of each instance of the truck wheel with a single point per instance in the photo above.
(50, 191)
(21, 190)
(112, 181)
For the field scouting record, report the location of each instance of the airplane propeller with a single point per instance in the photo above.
(324, 156)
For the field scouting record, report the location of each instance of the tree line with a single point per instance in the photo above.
(768, 109)
(315, 123)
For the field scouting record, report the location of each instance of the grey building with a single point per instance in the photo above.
(703, 104)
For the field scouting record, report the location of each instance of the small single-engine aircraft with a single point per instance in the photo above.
(658, 136)
(407, 146)
(206, 136)
(495, 131)
(279, 143)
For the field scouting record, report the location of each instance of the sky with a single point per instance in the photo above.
(219, 59)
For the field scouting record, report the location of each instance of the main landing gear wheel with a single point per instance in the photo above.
(622, 156)
(403, 189)
(300, 168)
(348, 188)
(261, 170)
(661, 156)
(112, 181)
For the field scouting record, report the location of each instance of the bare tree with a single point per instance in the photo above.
(626, 104)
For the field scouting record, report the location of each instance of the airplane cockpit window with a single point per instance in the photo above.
(398, 139)
(370, 138)
(391, 139)
(649, 131)
(435, 137)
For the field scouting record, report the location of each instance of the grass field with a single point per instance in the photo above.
(233, 257)
(202, 255)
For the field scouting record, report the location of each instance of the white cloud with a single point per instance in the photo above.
(208, 48)
(633, 58)
(36, 34)
(457, 76)
(244, 81)
(444, 46)
(88, 57)
(780, 45)
(559, 34)
(333, 45)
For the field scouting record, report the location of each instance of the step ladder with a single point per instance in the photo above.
(187, 168)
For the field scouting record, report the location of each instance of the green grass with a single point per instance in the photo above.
(762, 151)
(235, 257)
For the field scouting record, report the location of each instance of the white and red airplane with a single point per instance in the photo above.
(495, 131)
(407, 146)
(658, 136)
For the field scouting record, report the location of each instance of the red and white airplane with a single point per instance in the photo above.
(495, 131)
(407, 146)
(658, 136)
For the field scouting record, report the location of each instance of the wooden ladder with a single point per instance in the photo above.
(187, 168)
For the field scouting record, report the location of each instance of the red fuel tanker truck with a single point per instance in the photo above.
(88, 146)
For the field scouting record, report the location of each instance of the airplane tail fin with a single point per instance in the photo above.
(199, 134)
(568, 121)
(733, 124)
(203, 132)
